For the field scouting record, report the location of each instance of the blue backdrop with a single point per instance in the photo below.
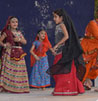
(34, 14)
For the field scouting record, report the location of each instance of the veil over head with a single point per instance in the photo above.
(7, 23)
(71, 51)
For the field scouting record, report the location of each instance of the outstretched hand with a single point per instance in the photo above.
(55, 48)
(53, 52)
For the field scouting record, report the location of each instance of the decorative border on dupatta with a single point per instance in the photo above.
(39, 86)
(65, 93)
(5, 90)
(17, 59)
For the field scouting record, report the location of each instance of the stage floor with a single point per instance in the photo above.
(40, 95)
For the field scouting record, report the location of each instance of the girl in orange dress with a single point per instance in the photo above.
(90, 46)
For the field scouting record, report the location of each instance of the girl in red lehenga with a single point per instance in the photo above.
(68, 69)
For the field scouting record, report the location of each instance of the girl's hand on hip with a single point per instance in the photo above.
(7, 45)
(37, 58)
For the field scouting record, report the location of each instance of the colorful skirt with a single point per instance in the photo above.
(67, 84)
(13, 77)
(39, 78)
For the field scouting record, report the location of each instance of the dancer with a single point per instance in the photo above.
(90, 47)
(13, 76)
(39, 61)
(67, 68)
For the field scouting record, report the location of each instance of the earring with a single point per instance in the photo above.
(9, 27)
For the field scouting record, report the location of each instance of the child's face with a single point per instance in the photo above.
(14, 23)
(42, 35)
(58, 19)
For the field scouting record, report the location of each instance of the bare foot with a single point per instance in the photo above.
(43, 88)
(96, 90)
(88, 84)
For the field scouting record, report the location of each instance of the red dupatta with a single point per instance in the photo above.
(41, 50)
(8, 32)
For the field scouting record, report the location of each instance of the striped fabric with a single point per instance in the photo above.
(13, 76)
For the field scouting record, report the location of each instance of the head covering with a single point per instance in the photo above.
(8, 32)
(42, 49)
(7, 23)
(46, 43)
(72, 45)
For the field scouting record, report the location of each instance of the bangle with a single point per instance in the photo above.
(19, 39)
(4, 45)
(34, 55)
(57, 46)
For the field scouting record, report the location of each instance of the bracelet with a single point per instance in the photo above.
(4, 45)
(19, 39)
(34, 55)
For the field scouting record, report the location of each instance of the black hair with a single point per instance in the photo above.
(59, 12)
(12, 17)
(40, 31)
